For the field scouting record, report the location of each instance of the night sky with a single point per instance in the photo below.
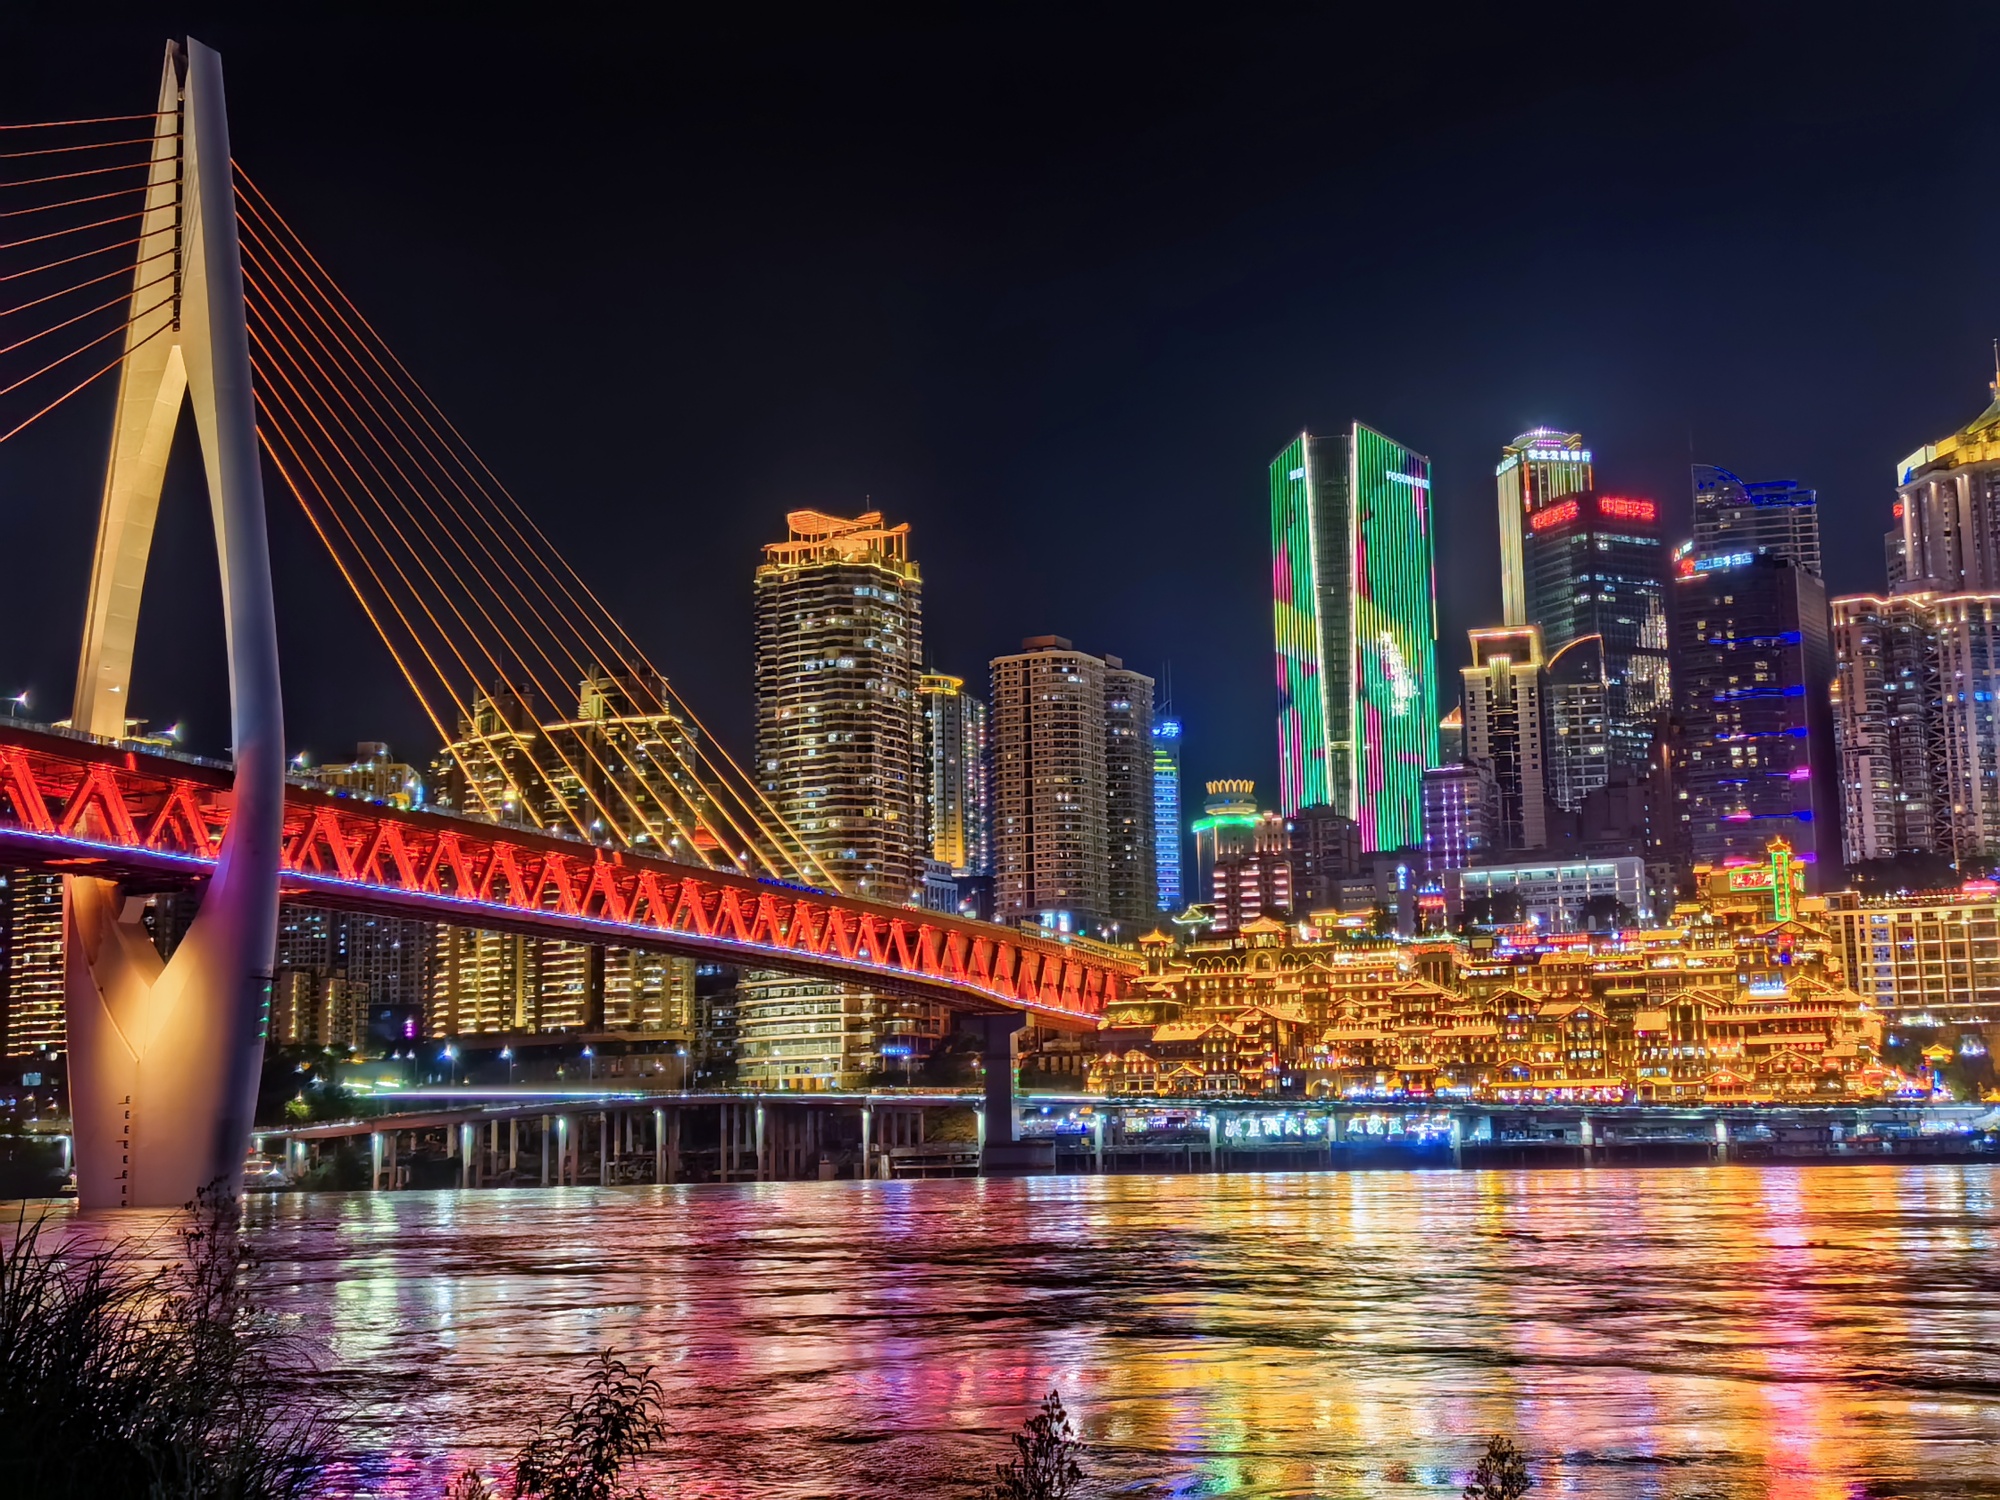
(1055, 291)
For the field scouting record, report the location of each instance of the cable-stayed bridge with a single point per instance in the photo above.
(135, 248)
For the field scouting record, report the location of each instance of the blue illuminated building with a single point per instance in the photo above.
(1752, 666)
(1167, 814)
(1764, 517)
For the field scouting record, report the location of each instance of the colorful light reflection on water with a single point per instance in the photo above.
(1799, 1333)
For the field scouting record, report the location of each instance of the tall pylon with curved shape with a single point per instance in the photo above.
(164, 1056)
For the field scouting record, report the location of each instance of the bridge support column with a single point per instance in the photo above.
(1722, 1140)
(1097, 1144)
(1457, 1139)
(548, 1136)
(606, 1143)
(660, 1146)
(867, 1168)
(375, 1161)
(514, 1145)
(1587, 1133)
(1002, 1153)
(164, 1057)
(763, 1161)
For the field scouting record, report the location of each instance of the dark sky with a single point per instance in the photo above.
(1054, 290)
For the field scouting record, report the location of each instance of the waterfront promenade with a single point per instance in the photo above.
(507, 1137)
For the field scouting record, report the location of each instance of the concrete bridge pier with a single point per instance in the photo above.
(1003, 1153)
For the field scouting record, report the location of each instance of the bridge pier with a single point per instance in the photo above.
(1002, 1153)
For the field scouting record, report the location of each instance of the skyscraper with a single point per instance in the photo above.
(1949, 494)
(1167, 833)
(1576, 695)
(1884, 686)
(1753, 661)
(1538, 468)
(1073, 816)
(840, 748)
(961, 791)
(1131, 863)
(1355, 620)
(1596, 566)
(841, 756)
(1504, 725)
(1778, 517)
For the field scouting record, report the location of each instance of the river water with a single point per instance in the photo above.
(1713, 1332)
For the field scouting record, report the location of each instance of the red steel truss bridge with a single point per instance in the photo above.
(142, 818)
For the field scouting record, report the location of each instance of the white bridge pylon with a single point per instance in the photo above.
(164, 1057)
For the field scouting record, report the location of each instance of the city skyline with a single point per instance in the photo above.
(1157, 459)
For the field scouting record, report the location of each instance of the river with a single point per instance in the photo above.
(1714, 1332)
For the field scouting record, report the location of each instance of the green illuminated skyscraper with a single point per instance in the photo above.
(1355, 619)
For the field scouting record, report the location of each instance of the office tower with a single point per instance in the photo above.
(1355, 620)
(1948, 496)
(1325, 848)
(1072, 789)
(1576, 695)
(33, 973)
(1132, 888)
(1504, 726)
(840, 745)
(1884, 686)
(1775, 517)
(1896, 553)
(1753, 662)
(1537, 469)
(1596, 566)
(1167, 814)
(955, 750)
(1461, 815)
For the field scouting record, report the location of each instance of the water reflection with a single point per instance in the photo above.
(1731, 1332)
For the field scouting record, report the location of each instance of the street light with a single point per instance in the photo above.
(507, 1056)
(682, 1054)
(17, 705)
(590, 1057)
(450, 1055)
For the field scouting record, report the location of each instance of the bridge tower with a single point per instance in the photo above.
(164, 1056)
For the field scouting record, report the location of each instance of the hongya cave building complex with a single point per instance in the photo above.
(1741, 1001)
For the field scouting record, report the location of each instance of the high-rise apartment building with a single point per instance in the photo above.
(1355, 620)
(1915, 719)
(1596, 566)
(840, 735)
(1073, 816)
(1948, 495)
(1167, 834)
(33, 971)
(1884, 689)
(1461, 815)
(1504, 727)
(961, 790)
(842, 756)
(1753, 665)
(372, 775)
(1537, 469)
(1774, 517)
(1132, 888)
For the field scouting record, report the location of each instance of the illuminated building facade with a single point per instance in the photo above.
(376, 971)
(1753, 664)
(1596, 566)
(1504, 728)
(961, 789)
(31, 945)
(1132, 878)
(1461, 815)
(840, 733)
(1355, 621)
(1578, 743)
(1073, 814)
(1537, 469)
(1778, 517)
(1325, 849)
(1925, 960)
(1884, 689)
(1948, 499)
(1226, 827)
(372, 775)
(1555, 895)
(1167, 835)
